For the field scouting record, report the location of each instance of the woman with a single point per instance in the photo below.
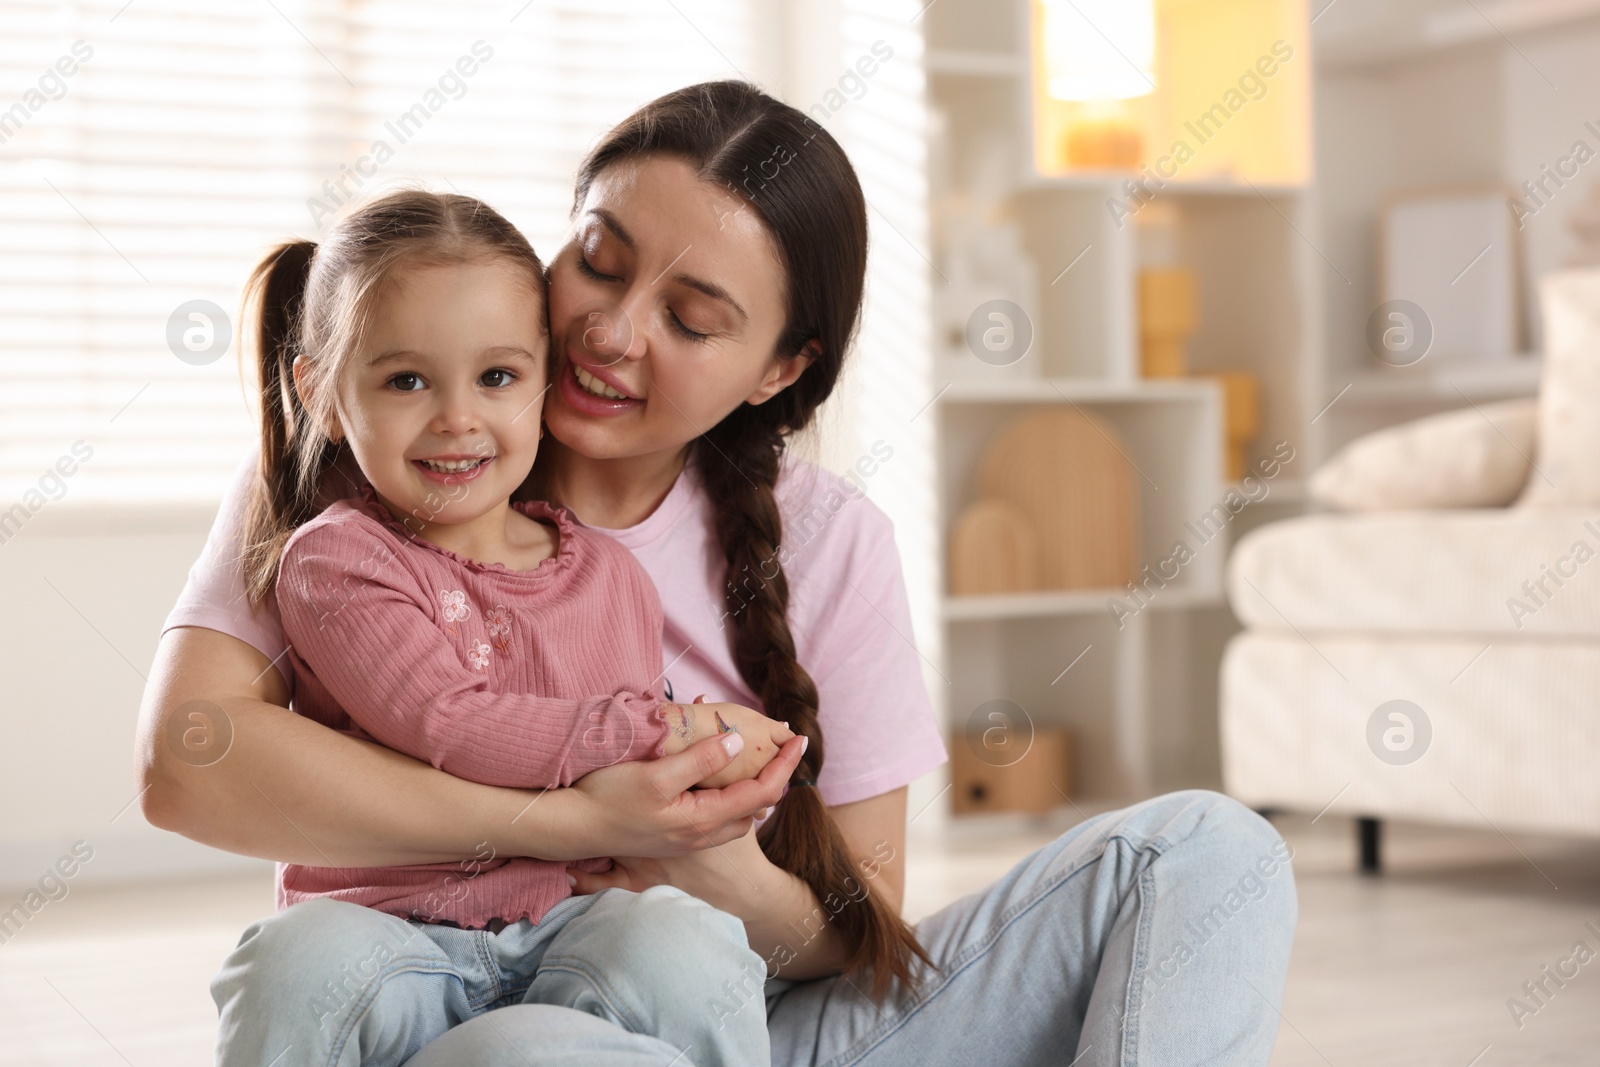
(700, 315)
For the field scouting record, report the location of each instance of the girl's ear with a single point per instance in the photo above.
(785, 372)
(302, 386)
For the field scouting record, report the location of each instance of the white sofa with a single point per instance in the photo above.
(1456, 588)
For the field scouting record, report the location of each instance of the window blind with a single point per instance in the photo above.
(150, 152)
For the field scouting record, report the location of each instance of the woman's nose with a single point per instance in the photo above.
(611, 332)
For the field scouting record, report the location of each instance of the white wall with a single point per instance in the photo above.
(87, 589)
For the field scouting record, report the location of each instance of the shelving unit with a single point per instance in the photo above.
(1417, 97)
(1137, 687)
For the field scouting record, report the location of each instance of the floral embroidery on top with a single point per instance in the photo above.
(478, 657)
(453, 606)
(499, 620)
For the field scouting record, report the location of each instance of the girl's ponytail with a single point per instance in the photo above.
(273, 302)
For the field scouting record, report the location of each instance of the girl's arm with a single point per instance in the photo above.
(291, 790)
(366, 634)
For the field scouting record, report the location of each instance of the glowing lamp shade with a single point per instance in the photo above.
(1099, 49)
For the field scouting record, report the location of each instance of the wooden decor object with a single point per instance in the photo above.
(993, 550)
(1067, 472)
(1241, 415)
(1169, 311)
(1028, 785)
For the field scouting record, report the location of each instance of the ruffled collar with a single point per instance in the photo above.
(566, 529)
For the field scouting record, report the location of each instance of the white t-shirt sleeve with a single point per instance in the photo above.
(214, 596)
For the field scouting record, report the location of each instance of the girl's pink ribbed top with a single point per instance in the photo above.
(527, 679)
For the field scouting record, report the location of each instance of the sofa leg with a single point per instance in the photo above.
(1368, 831)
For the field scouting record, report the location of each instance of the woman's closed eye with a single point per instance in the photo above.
(682, 328)
(688, 334)
(588, 268)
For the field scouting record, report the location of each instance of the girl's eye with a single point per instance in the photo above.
(406, 382)
(497, 378)
(585, 267)
(692, 335)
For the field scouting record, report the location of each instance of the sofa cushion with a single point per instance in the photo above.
(1502, 571)
(1567, 470)
(1477, 457)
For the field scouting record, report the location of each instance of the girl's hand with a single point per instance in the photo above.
(646, 808)
(762, 736)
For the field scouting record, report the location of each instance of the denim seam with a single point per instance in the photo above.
(580, 967)
(491, 970)
(1156, 845)
(398, 965)
(1141, 956)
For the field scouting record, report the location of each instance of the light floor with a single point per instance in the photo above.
(1413, 968)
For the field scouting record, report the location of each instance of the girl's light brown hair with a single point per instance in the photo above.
(318, 300)
(734, 134)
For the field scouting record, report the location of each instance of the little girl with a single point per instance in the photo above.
(427, 611)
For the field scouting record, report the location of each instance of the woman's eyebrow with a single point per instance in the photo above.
(713, 290)
(614, 226)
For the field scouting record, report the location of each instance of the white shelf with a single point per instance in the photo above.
(1111, 181)
(1078, 391)
(1457, 382)
(1069, 602)
(974, 63)
(1405, 35)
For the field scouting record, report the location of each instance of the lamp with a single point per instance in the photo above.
(1099, 53)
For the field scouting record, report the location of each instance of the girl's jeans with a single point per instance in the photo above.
(1156, 935)
(330, 983)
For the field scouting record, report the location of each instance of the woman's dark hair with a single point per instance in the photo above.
(317, 301)
(797, 180)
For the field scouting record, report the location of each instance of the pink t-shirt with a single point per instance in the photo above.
(528, 679)
(848, 613)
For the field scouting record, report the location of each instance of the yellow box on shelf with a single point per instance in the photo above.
(1172, 91)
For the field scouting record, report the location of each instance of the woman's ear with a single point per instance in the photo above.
(785, 372)
(301, 372)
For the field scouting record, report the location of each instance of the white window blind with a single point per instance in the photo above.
(189, 136)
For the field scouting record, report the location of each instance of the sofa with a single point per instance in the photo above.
(1428, 647)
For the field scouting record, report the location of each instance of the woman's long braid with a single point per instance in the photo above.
(800, 836)
(814, 212)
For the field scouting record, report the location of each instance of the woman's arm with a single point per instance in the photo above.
(292, 790)
(784, 921)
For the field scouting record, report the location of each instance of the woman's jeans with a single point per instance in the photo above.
(330, 983)
(1156, 935)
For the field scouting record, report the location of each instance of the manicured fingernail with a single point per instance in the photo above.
(805, 742)
(732, 744)
(572, 883)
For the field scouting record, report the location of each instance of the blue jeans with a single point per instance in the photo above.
(330, 983)
(1153, 936)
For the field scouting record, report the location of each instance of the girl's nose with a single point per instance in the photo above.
(456, 414)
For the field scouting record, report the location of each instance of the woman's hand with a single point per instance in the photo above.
(762, 736)
(647, 809)
(710, 874)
